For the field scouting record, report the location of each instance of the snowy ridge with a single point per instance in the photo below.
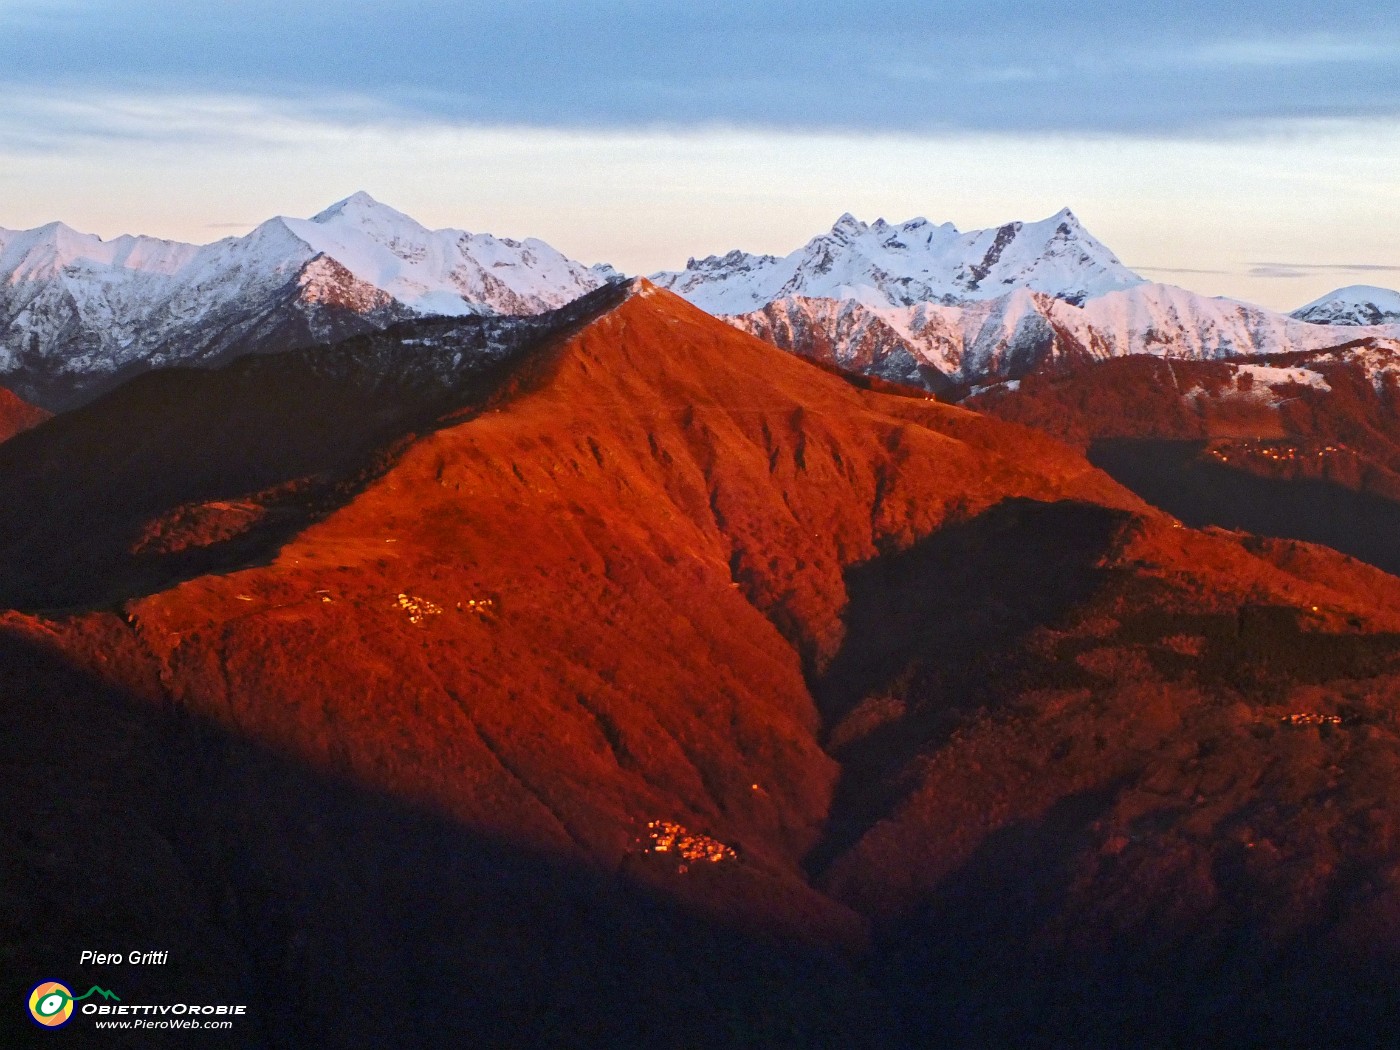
(1357, 304)
(1003, 338)
(883, 265)
(77, 313)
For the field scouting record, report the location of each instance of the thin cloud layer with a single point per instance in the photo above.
(1293, 270)
(1146, 68)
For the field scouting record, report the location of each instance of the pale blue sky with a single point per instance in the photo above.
(1252, 151)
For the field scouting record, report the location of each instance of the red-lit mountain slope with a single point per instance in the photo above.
(17, 415)
(601, 561)
(947, 692)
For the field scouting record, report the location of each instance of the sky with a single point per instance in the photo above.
(1250, 150)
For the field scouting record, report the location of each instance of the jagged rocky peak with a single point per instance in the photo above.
(730, 259)
(885, 264)
(848, 226)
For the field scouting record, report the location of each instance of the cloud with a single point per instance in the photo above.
(1153, 67)
(37, 121)
(1316, 49)
(1294, 270)
(1180, 270)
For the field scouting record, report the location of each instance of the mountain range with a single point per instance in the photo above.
(79, 314)
(923, 304)
(884, 265)
(912, 302)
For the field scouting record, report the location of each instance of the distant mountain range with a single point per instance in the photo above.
(913, 302)
(925, 304)
(1005, 338)
(79, 314)
(881, 266)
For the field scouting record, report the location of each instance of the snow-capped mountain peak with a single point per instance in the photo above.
(849, 226)
(884, 264)
(362, 214)
(358, 207)
(1357, 304)
(448, 272)
(927, 304)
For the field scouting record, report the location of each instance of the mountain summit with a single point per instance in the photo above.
(883, 265)
(444, 272)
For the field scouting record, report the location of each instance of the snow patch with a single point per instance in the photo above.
(1268, 376)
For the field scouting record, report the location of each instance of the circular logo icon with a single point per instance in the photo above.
(51, 1004)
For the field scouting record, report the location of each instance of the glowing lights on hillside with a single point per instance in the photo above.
(417, 608)
(666, 836)
(1274, 452)
(1311, 718)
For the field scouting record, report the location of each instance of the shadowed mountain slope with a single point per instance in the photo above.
(184, 471)
(1303, 446)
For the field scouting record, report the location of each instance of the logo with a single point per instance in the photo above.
(51, 1004)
